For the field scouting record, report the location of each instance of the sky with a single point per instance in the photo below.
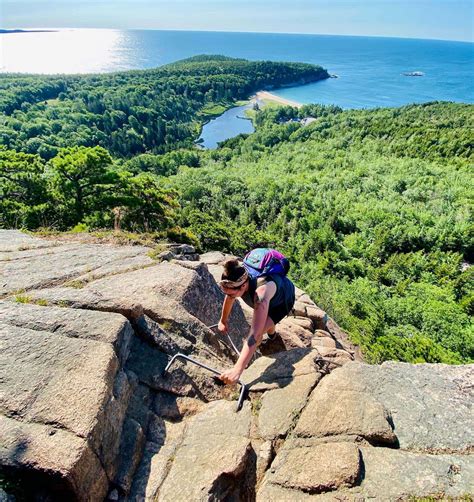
(438, 19)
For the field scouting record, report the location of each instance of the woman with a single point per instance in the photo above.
(272, 297)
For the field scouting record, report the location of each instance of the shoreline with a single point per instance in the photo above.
(268, 96)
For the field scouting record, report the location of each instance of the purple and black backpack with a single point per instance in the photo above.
(265, 261)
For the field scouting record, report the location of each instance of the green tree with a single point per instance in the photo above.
(23, 194)
(82, 181)
(148, 206)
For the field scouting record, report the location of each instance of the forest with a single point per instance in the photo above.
(372, 207)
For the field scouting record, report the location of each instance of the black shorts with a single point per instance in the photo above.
(278, 312)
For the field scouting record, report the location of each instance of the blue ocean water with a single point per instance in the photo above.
(370, 69)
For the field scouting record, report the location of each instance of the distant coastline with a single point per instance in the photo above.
(5, 32)
(268, 96)
(85, 51)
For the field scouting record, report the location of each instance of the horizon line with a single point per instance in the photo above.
(236, 31)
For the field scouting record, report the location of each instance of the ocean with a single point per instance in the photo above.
(371, 71)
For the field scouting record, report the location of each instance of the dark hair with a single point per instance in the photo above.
(233, 270)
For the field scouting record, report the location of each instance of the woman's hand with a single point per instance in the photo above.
(230, 377)
(223, 327)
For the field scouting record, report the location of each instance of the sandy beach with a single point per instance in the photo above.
(268, 96)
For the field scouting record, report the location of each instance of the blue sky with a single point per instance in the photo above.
(441, 19)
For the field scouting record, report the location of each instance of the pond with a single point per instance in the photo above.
(228, 125)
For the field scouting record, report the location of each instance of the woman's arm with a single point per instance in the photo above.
(263, 295)
(223, 326)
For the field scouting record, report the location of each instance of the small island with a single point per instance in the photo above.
(413, 74)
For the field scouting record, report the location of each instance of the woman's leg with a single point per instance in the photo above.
(269, 327)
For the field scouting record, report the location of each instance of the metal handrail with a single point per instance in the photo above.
(243, 389)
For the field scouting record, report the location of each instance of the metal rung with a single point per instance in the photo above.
(243, 387)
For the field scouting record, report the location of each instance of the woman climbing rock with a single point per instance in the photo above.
(262, 283)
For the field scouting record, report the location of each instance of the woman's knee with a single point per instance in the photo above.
(269, 326)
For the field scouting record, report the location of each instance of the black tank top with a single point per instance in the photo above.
(285, 292)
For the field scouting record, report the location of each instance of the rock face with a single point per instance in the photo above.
(213, 457)
(408, 423)
(59, 409)
(78, 385)
(86, 413)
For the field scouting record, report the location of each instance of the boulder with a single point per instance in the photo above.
(213, 258)
(399, 475)
(337, 357)
(86, 298)
(183, 249)
(48, 377)
(293, 334)
(281, 407)
(96, 326)
(106, 440)
(59, 460)
(299, 309)
(276, 493)
(323, 341)
(66, 263)
(166, 256)
(304, 322)
(358, 404)
(265, 455)
(177, 293)
(332, 412)
(215, 271)
(343, 341)
(278, 370)
(131, 450)
(322, 468)
(302, 297)
(318, 316)
(183, 252)
(430, 404)
(60, 362)
(156, 461)
(322, 333)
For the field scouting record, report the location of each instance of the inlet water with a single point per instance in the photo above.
(228, 125)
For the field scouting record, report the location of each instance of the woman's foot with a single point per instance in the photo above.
(272, 344)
